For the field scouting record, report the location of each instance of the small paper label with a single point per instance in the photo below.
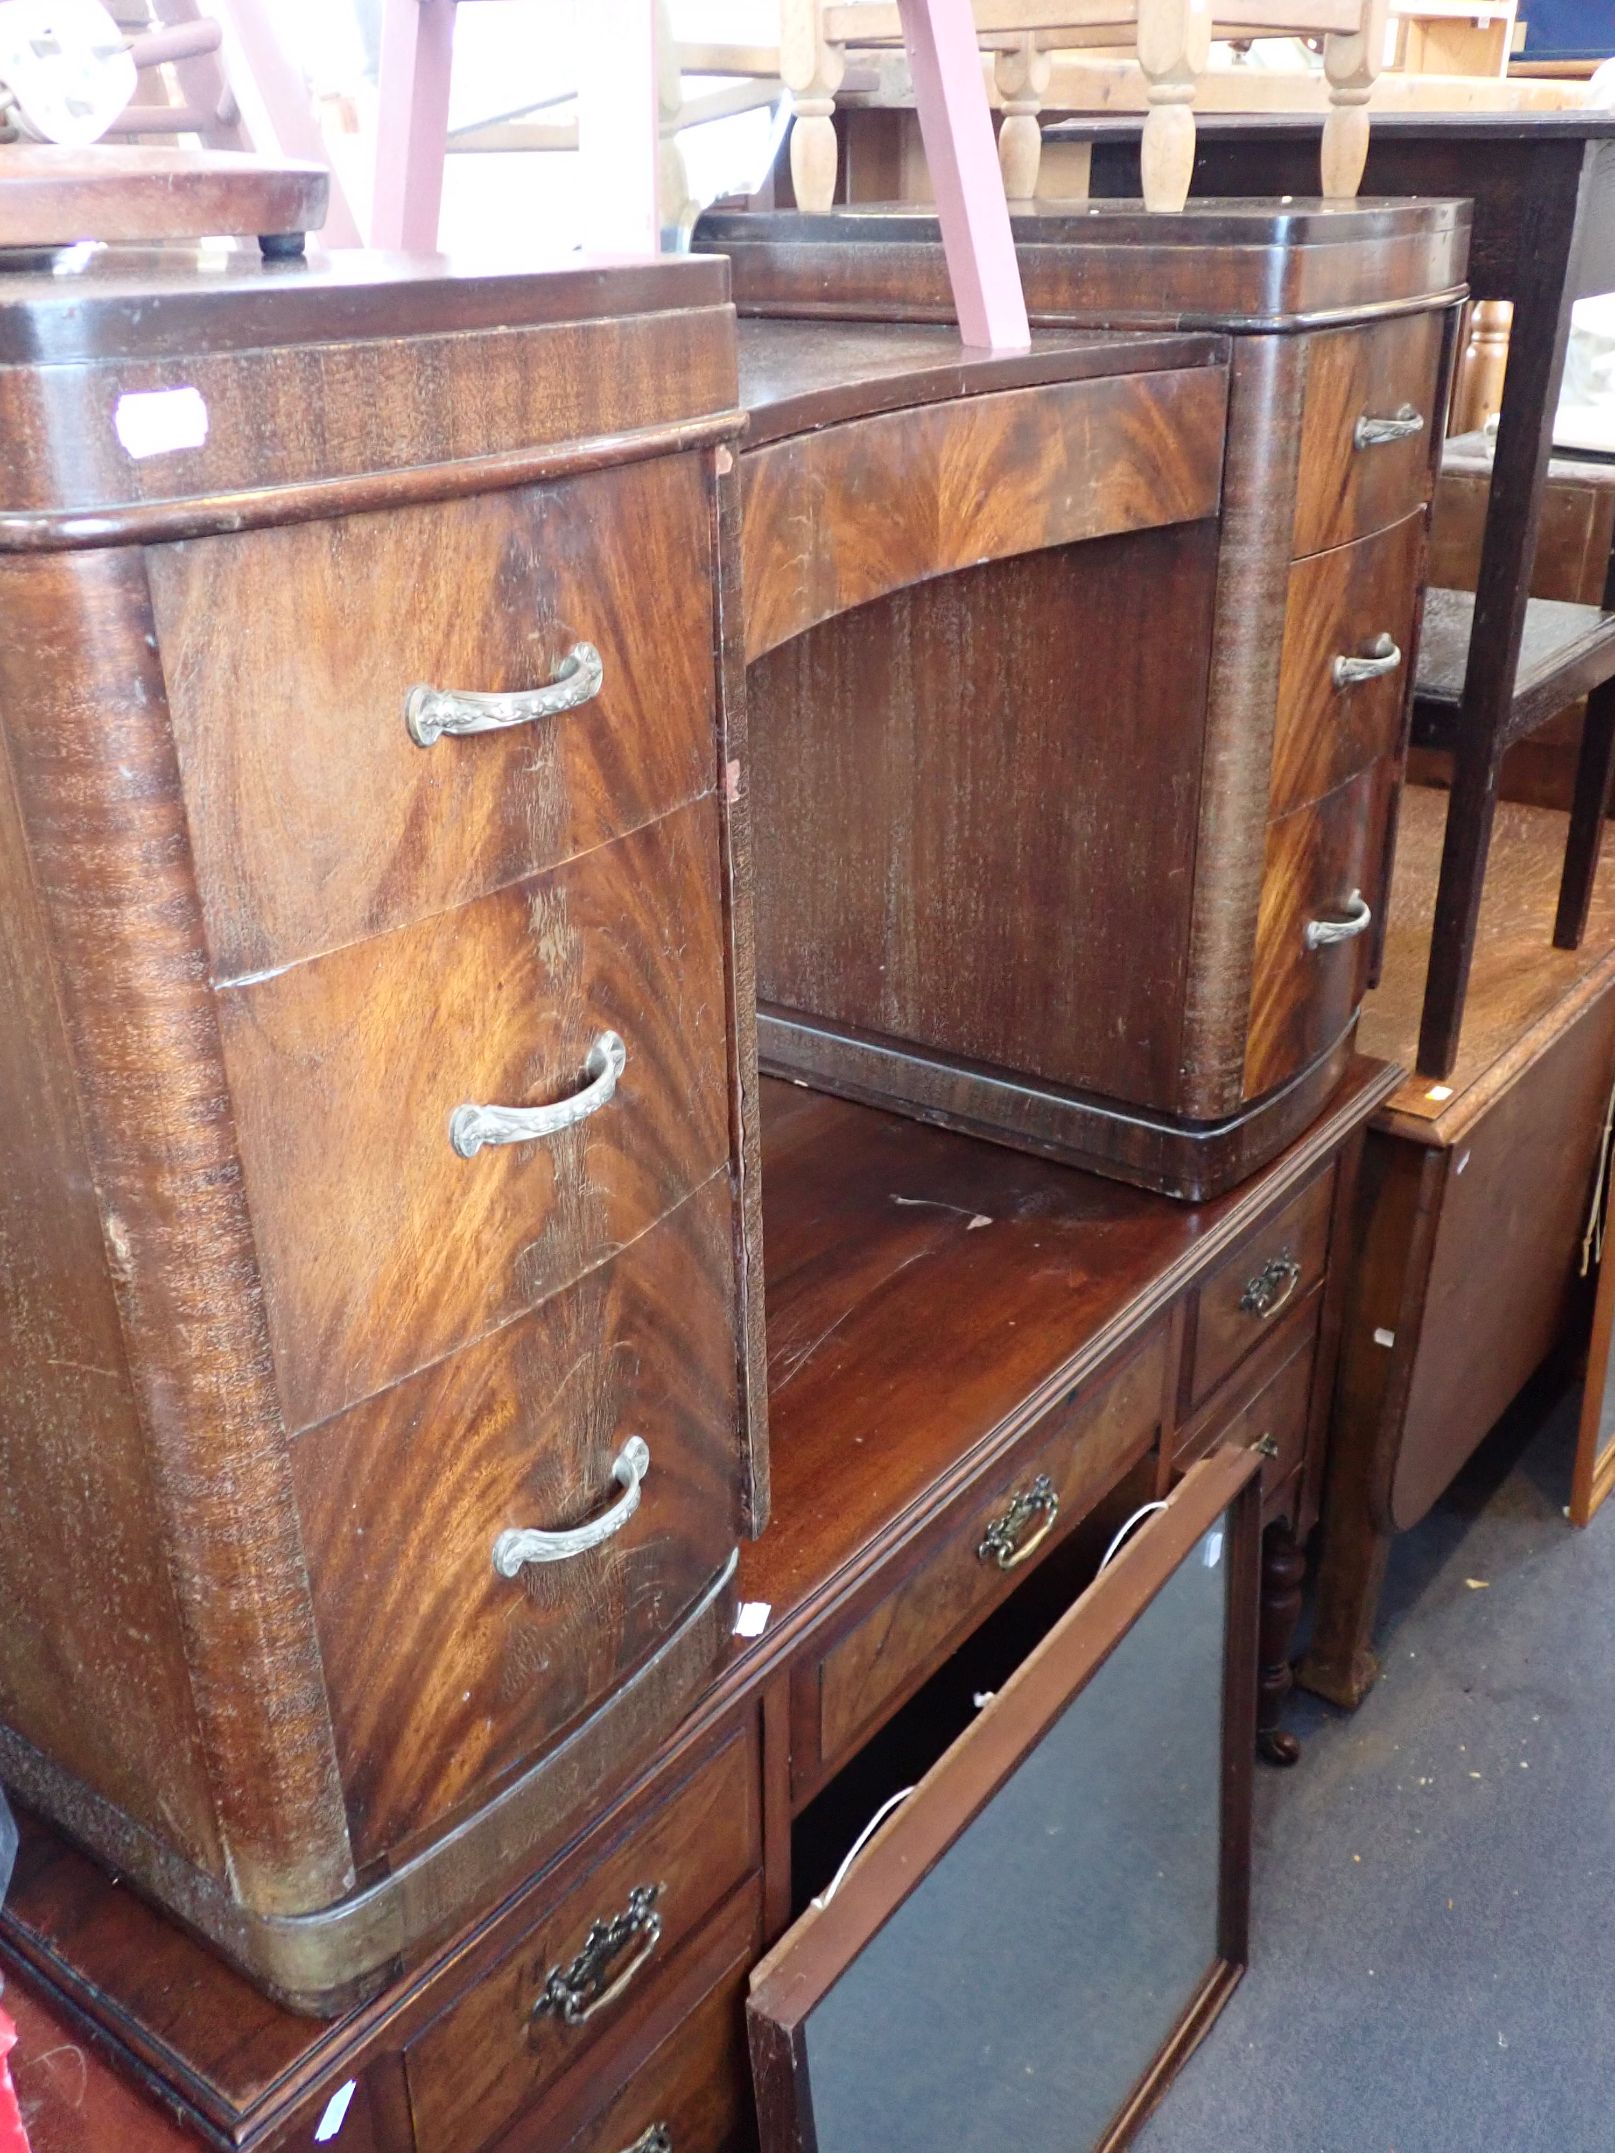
(752, 1618)
(1211, 1548)
(336, 2113)
(1385, 1338)
(155, 422)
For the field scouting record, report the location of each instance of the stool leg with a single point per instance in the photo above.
(1593, 767)
(1470, 808)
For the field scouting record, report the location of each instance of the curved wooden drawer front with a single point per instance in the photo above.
(288, 653)
(381, 1249)
(1341, 605)
(1303, 998)
(441, 1672)
(1345, 491)
(1080, 1448)
(488, 2057)
(836, 518)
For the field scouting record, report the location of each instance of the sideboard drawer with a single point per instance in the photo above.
(1275, 1420)
(1321, 883)
(289, 653)
(608, 1942)
(443, 1672)
(1270, 1272)
(1366, 428)
(1345, 672)
(1073, 1453)
(382, 1247)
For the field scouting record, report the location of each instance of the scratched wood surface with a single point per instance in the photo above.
(311, 636)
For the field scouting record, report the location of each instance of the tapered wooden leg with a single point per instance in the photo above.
(1587, 810)
(1351, 61)
(1174, 44)
(812, 70)
(1470, 808)
(1342, 1665)
(1284, 1567)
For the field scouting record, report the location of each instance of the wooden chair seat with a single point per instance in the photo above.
(1566, 651)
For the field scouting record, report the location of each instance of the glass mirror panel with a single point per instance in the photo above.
(1022, 1990)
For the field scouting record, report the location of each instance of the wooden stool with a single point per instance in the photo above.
(1566, 651)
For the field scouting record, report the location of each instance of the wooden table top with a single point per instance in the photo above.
(1521, 988)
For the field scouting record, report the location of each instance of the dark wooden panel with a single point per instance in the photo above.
(1375, 371)
(1339, 604)
(1271, 1271)
(491, 2055)
(441, 1672)
(894, 499)
(936, 784)
(382, 1250)
(288, 653)
(1302, 999)
(1093, 1440)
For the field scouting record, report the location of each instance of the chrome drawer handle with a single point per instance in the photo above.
(470, 1127)
(1319, 934)
(1370, 433)
(1272, 1286)
(658, 2139)
(574, 1993)
(1001, 1542)
(514, 1547)
(429, 713)
(1382, 657)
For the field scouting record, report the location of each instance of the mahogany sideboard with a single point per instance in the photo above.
(979, 1362)
(1077, 719)
(377, 1074)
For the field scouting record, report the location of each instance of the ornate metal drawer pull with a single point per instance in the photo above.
(429, 713)
(1319, 934)
(514, 1548)
(470, 1127)
(1371, 433)
(1272, 1286)
(658, 2139)
(1381, 657)
(1001, 1542)
(575, 1993)
(1265, 1447)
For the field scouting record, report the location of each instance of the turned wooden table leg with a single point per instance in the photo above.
(1284, 1567)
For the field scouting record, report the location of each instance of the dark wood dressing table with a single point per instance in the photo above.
(950, 1324)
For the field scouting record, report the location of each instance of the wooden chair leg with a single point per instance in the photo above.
(1470, 810)
(1351, 62)
(1021, 76)
(1284, 1568)
(812, 71)
(1174, 45)
(1587, 810)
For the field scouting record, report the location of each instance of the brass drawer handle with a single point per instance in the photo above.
(1272, 1286)
(1320, 934)
(1381, 657)
(574, 1993)
(1001, 1542)
(429, 713)
(514, 1548)
(470, 1127)
(1372, 433)
(1265, 1447)
(658, 2139)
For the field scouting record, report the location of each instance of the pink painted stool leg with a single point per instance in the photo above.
(950, 93)
(412, 123)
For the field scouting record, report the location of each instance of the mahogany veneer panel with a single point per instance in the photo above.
(1377, 370)
(967, 882)
(361, 1057)
(441, 1672)
(311, 635)
(1339, 604)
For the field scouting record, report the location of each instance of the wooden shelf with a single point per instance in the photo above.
(1566, 651)
(1519, 983)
